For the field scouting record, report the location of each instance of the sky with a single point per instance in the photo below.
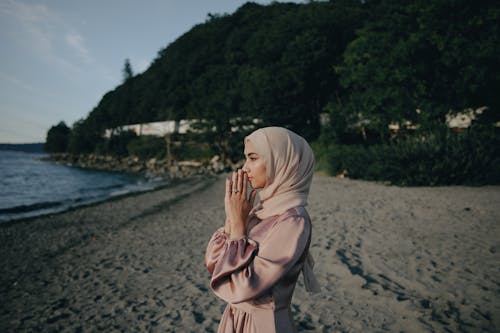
(59, 57)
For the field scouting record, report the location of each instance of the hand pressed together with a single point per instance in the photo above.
(238, 204)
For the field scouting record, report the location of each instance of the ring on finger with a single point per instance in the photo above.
(235, 190)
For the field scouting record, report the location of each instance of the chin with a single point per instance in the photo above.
(257, 187)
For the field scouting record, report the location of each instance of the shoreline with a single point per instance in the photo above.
(388, 258)
(170, 184)
(150, 175)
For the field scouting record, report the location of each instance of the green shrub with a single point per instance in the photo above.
(440, 157)
(192, 151)
(146, 147)
(117, 144)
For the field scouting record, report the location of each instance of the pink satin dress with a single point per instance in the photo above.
(257, 274)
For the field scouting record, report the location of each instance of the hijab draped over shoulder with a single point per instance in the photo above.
(289, 164)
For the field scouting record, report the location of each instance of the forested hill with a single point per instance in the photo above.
(367, 62)
(271, 61)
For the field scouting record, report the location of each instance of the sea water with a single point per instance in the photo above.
(31, 187)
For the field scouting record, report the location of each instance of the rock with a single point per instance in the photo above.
(189, 164)
(217, 166)
(150, 168)
(150, 164)
(137, 168)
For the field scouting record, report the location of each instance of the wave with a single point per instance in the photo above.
(36, 188)
(101, 188)
(47, 207)
(29, 208)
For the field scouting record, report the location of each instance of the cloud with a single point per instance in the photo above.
(30, 24)
(24, 12)
(36, 27)
(16, 81)
(76, 41)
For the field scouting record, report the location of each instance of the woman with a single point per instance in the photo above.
(255, 259)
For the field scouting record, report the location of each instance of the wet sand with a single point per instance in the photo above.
(389, 259)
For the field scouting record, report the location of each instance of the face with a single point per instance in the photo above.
(255, 166)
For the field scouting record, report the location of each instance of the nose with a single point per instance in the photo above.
(245, 168)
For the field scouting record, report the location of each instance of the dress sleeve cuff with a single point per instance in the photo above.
(238, 254)
(215, 248)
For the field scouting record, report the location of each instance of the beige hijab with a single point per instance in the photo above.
(289, 169)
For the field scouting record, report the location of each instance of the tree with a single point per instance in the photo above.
(218, 110)
(433, 56)
(57, 138)
(127, 71)
(84, 137)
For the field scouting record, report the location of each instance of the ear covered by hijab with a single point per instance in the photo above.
(289, 169)
(289, 164)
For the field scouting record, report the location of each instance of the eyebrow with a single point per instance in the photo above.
(251, 153)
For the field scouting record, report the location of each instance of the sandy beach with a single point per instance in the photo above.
(390, 259)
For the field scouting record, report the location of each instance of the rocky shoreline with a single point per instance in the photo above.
(150, 168)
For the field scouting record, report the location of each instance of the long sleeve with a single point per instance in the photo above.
(241, 270)
(220, 247)
(215, 249)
